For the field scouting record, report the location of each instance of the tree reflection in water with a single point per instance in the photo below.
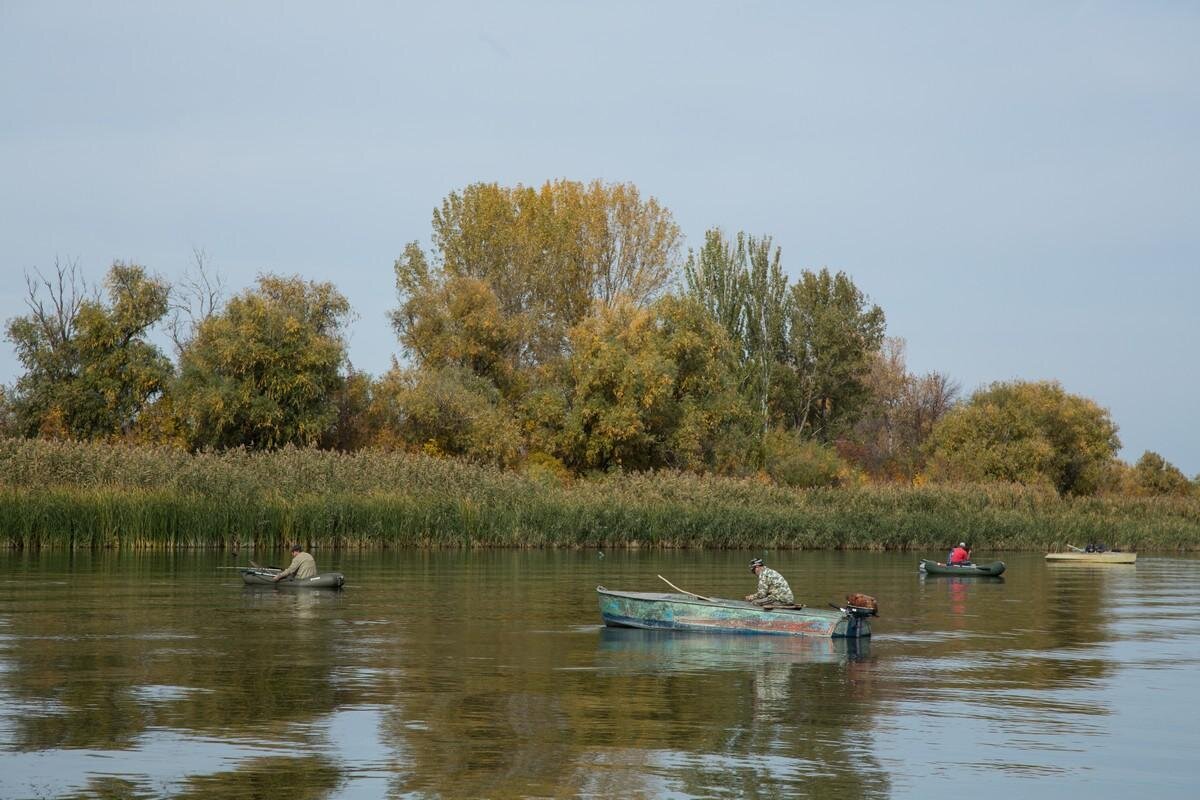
(741, 711)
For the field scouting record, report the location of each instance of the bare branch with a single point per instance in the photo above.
(66, 291)
(195, 298)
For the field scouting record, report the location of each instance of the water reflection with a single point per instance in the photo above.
(647, 650)
(486, 675)
(770, 716)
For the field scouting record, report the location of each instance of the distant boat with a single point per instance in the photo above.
(934, 568)
(1108, 557)
(682, 612)
(262, 576)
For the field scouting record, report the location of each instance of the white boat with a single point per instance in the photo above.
(1080, 557)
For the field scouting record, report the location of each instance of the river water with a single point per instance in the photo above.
(487, 674)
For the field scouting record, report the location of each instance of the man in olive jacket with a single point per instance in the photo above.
(303, 565)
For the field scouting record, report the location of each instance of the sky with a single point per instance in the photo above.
(1015, 184)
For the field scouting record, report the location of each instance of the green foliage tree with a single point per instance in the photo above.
(805, 350)
(647, 388)
(545, 254)
(89, 369)
(742, 286)
(832, 332)
(1025, 432)
(768, 308)
(716, 278)
(266, 371)
(1154, 475)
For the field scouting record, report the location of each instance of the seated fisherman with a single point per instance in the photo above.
(303, 565)
(960, 554)
(773, 590)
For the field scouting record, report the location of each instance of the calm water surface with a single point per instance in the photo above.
(487, 674)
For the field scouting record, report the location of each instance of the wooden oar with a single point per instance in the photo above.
(693, 594)
(1076, 549)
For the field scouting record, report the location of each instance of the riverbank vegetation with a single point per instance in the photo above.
(63, 494)
(566, 374)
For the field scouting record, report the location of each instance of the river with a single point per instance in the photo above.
(487, 674)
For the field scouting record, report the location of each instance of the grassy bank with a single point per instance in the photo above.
(73, 495)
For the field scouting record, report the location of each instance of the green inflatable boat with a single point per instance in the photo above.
(934, 568)
(263, 576)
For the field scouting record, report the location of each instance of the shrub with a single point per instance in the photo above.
(792, 461)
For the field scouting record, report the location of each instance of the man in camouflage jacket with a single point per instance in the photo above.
(773, 590)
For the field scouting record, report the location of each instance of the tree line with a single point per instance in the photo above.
(561, 330)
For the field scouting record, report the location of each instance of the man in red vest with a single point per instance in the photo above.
(960, 554)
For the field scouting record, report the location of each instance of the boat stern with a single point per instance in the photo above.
(855, 623)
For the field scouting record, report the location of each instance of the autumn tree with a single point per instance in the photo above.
(89, 367)
(1025, 432)
(266, 370)
(454, 321)
(353, 427)
(540, 258)
(445, 411)
(899, 415)
(792, 460)
(1154, 475)
(648, 387)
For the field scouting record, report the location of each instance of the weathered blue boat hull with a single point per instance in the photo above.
(679, 612)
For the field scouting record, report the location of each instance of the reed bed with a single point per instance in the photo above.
(56, 494)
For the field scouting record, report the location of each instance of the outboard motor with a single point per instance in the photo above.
(862, 605)
(858, 607)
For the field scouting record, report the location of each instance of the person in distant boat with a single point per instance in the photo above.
(303, 565)
(960, 554)
(773, 590)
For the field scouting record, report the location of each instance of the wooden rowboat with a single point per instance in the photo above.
(1094, 558)
(682, 612)
(265, 577)
(934, 568)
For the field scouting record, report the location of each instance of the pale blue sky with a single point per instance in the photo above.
(1015, 184)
